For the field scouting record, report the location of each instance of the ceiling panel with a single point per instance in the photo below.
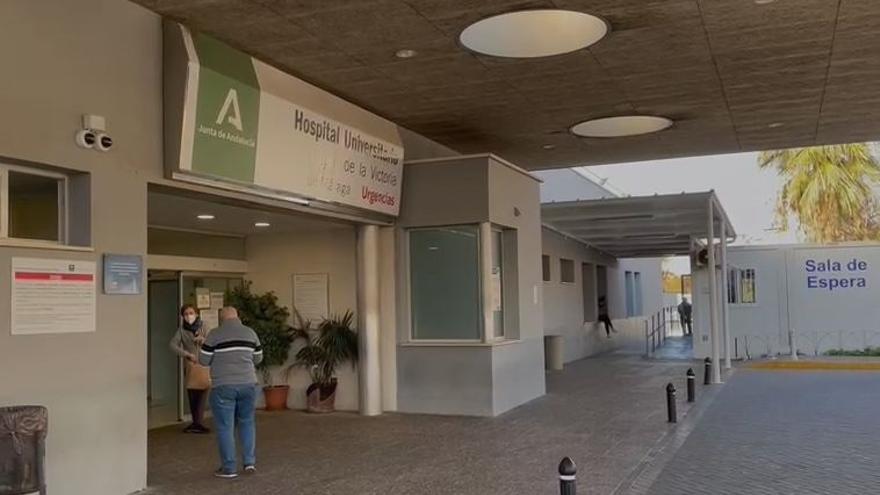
(724, 70)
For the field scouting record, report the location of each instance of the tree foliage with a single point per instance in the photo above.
(829, 190)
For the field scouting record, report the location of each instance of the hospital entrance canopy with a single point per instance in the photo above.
(640, 226)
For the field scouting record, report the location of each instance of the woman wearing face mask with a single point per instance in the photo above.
(186, 343)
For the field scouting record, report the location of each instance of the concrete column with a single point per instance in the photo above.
(369, 370)
(486, 278)
(713, 298)
(725, 274)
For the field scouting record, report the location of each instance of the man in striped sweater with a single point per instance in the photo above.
(233, 350)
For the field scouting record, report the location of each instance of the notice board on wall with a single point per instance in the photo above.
(311, 295)
(52, 296)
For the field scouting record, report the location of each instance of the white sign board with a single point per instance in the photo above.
(244, 126)
(52, 296)
(834, 289)
(311, 294)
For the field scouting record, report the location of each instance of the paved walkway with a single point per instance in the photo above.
(676, 348)
(606, 413)
(783, 432)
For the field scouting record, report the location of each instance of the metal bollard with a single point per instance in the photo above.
(707, 377)
(692, 386)
(567, 480)
(670, 404)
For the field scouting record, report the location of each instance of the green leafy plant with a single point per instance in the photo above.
(328, 346)
(867, 352)
(270, 321)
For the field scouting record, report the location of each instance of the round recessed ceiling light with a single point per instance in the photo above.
(262, 224)
(534, 33)
(205, 217)
(406, 53)
(628, 125)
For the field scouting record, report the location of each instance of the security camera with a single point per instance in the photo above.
(103, 142)
(86, 138)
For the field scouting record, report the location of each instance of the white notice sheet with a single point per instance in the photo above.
(311, 292)
(52, 296)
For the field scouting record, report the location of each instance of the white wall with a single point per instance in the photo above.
(821, 318)
(564, 303)
(474, 378)
(272, 261)
(651, 270)
(94, 384)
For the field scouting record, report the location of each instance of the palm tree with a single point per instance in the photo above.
(829, 189)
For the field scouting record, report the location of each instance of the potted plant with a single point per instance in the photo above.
(331, 344)
(269, 320)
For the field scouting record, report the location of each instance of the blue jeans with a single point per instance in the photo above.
(233, 406)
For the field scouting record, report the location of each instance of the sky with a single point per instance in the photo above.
(747, 193)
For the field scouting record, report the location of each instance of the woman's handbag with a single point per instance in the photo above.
(198, 377)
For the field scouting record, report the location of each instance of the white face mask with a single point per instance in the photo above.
(190, 319)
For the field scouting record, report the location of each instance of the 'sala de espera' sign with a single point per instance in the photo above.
(830, 274)
(237, 129)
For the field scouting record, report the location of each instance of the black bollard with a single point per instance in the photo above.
(670, 404)
(692, 386)
(567, 481)
(707, 377)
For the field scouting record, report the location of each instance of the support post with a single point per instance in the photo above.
(691, 384)
(725, 320)
(567, 477)
(671, 413)
(791, 340)
(369, 373)
(713, 294)
(707, 371)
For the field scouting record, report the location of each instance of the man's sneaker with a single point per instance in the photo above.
(250, 469)
(202, 429)
(193, 428)
(222, 473)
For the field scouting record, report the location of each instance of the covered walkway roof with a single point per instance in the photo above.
(640, 226)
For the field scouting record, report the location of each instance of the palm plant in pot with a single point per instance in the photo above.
(269, 320)
(328, 346)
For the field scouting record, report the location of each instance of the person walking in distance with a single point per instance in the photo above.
(604, 318)
(232, 351)
(685, 315)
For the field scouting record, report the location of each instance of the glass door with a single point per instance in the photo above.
(163, 374)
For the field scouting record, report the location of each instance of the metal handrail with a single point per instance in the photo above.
(656, 330)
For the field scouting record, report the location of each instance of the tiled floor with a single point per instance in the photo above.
(606, 413)
(781, 433)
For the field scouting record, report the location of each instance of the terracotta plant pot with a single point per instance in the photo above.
(276, 397)
(321, 399)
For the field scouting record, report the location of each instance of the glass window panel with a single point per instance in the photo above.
(630, 297)
(545, 267)
(748, 286)
(445, 283)
(34, 209)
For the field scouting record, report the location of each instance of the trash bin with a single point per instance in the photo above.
(23, 450)
(553, 352)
